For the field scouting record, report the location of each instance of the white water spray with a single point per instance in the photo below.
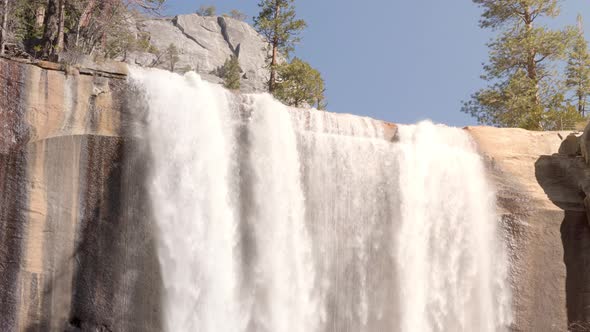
(276, 219)
(189, 133)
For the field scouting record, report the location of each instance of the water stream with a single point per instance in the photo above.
(275, 219)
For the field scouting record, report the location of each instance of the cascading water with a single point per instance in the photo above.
(275, 219)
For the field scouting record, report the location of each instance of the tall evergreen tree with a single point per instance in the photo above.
(578, 69)
(522, 83)
(278, 24)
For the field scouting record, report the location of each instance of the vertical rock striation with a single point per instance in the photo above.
(75, 237)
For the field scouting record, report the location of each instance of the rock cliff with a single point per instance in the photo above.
(204, 43)
(75, 241)
(77, 248)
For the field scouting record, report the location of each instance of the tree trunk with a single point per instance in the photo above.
(275, 51)
(531, 63)
(273, 69)
(3, 33)
(61, 31)
(51, 28)
(39, 16)
(85, 19)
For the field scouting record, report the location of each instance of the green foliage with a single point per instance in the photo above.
(120, 44)
(207, 10)
(143, 44)
(172, 56)
(231, 73)
(90, 26)
(563, 119)
(501, 13)
(519, 102)
(510, 103)
(578, 69)
(23, 27)
(277, 23)
(300, 85)
(237, 15)
(531, 50)
(524, 87)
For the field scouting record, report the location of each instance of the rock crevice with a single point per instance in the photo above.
(181, 29)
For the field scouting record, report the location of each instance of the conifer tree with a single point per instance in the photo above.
(578, 69)
(278, 24)
(522, 91)
(172, 55)
(231, 73)
(300, 85)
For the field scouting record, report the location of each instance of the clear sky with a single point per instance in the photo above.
(397, 60)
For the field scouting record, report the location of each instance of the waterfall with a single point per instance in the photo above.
(276, 219)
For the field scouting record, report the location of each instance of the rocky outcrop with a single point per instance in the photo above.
(531, 221)
(205, 43)
(543, 183)
(75, 236)
(77, 250)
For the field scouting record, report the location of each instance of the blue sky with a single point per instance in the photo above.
(399, 61)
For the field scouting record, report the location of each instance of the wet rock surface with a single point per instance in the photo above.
(77, 248)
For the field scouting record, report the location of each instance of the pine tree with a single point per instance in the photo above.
(578, 69)
(172, 55)
(231, 73)
(277, 23)
(300, 85)
(522, 89)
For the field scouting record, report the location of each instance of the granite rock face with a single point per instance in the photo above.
(205, 43)
(542, 183)
(75, 234)
(77, 245)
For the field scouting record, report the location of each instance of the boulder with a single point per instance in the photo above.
(570, 145)
(205, 43)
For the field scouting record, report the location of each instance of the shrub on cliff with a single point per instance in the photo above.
(207, 10)
(231, 72)
(172, 56)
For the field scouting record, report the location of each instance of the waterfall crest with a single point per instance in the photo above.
(276, 219)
